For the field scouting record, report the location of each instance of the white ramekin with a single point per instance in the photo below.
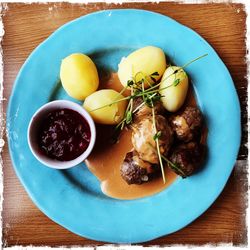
(33, 130)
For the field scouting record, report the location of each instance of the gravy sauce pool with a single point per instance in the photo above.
(106, 158)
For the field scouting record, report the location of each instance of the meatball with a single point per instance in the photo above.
(187, 124)
(144, 110)
(143, 138)
(136, 171)
(187, 158)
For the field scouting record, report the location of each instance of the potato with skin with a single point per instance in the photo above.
(175, 82)
(79, 76)
(109, 115)
(142, 63)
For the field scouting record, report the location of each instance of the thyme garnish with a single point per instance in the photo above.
(156, 138)
(157, 135)
(176, 82)
(172, 165)
(139, 92)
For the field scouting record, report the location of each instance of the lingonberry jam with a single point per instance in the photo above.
(64, 135)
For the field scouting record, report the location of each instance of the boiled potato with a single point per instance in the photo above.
(175, 95)
(107, 115)
(79, 76)
(142, 63)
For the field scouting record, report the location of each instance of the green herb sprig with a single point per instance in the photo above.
(149, 96)
(172, 165)
(156, 137)
(151, 90)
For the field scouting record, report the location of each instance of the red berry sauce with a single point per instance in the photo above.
(64, 135)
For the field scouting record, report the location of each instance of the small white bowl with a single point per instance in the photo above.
(33, 130)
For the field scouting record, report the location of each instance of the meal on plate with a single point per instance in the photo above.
(148, 123)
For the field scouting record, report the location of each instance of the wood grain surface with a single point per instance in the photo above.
(222, 25)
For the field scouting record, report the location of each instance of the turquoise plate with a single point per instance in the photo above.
(73, 198)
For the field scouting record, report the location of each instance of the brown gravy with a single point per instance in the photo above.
(106, 159)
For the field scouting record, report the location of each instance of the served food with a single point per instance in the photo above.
(156, 129)
(134, 170)
(110, 114)
(174, 85)
(63, 135)
(79, 76)
(140, 64)
(188, 157)
(144, 141)
(187, 124)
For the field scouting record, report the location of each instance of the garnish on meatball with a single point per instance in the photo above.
(143, 138)
(143, 109)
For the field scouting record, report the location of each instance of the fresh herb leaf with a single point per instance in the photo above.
(177, 169)
(157, 135)
(130, 83)
(156, 98)
(152, 90)
(173, 165)
(128, 117)
(176, 82)
(137, 91)
(148, 101)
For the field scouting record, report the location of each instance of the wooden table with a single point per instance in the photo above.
(222, 25)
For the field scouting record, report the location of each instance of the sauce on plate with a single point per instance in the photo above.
(106, 158)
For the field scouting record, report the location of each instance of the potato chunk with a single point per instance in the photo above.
(140, 64)
(174, 85)
(111, 114)
(79, 76)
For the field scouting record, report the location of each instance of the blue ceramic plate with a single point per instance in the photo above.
(73, 198)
